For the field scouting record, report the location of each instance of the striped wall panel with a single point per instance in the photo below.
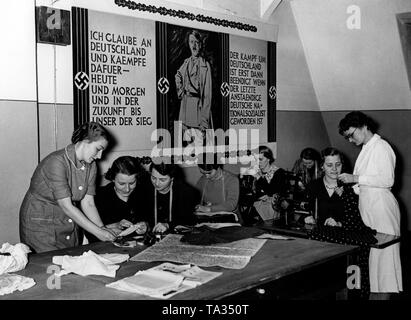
(81, 103)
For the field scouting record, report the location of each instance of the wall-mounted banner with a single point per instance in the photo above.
(157, 85)
(121, 76)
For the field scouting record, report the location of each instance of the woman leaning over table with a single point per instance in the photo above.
(61, 194)
(116, 201)
(374, 177)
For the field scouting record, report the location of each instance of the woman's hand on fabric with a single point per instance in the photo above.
(125, 224)
(114, 227)
(309, 220)
(106, 234)
(348, 178)
(332, 223)
(117, 227)
(339, 191)
(264, 198)
(161, 227)
(141, 227)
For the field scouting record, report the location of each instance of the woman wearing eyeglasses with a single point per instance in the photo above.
(373, 177)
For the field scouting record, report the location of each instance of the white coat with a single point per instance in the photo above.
(379, 210)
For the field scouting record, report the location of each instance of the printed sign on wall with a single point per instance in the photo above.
(135, 76)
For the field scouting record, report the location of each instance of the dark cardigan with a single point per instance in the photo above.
(185, 198)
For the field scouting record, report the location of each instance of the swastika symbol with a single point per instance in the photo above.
(225, 89)
(163, 85)
(81, 80)
(272, 92)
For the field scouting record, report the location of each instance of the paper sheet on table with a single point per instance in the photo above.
(165, 280)
(232, 255)
(193, 275)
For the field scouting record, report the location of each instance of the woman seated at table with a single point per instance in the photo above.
(61, 194)
(325, 194)
(116, 201)
(270, 186)
(219, 191)
(307, 167)
(337, 206)
(169, 201)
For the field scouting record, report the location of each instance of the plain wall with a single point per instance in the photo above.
(299, 120)
(354, 68)
(18, 144)
(18, 111)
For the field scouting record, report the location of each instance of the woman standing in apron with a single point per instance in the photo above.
(61, 194)
(373, 177)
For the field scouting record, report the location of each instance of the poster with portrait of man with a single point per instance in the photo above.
(215, 82)
(194, 69)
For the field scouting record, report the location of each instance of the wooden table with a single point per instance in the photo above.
(277, 262)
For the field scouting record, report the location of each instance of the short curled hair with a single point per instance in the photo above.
(310, 154)
(356, 119)
(266, 152)
(165, 169)
(196, 35)
(125, 165)
(91, 131)
(330, 151)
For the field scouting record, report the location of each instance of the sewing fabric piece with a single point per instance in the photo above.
(90, 263)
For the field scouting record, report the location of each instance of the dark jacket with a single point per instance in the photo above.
(328, 207)
(185, 198)
(277, 185)
(112, 209)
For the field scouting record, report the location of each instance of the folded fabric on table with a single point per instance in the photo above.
(205, 235)
(16, 258)
(12, 282)
(91, 263)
